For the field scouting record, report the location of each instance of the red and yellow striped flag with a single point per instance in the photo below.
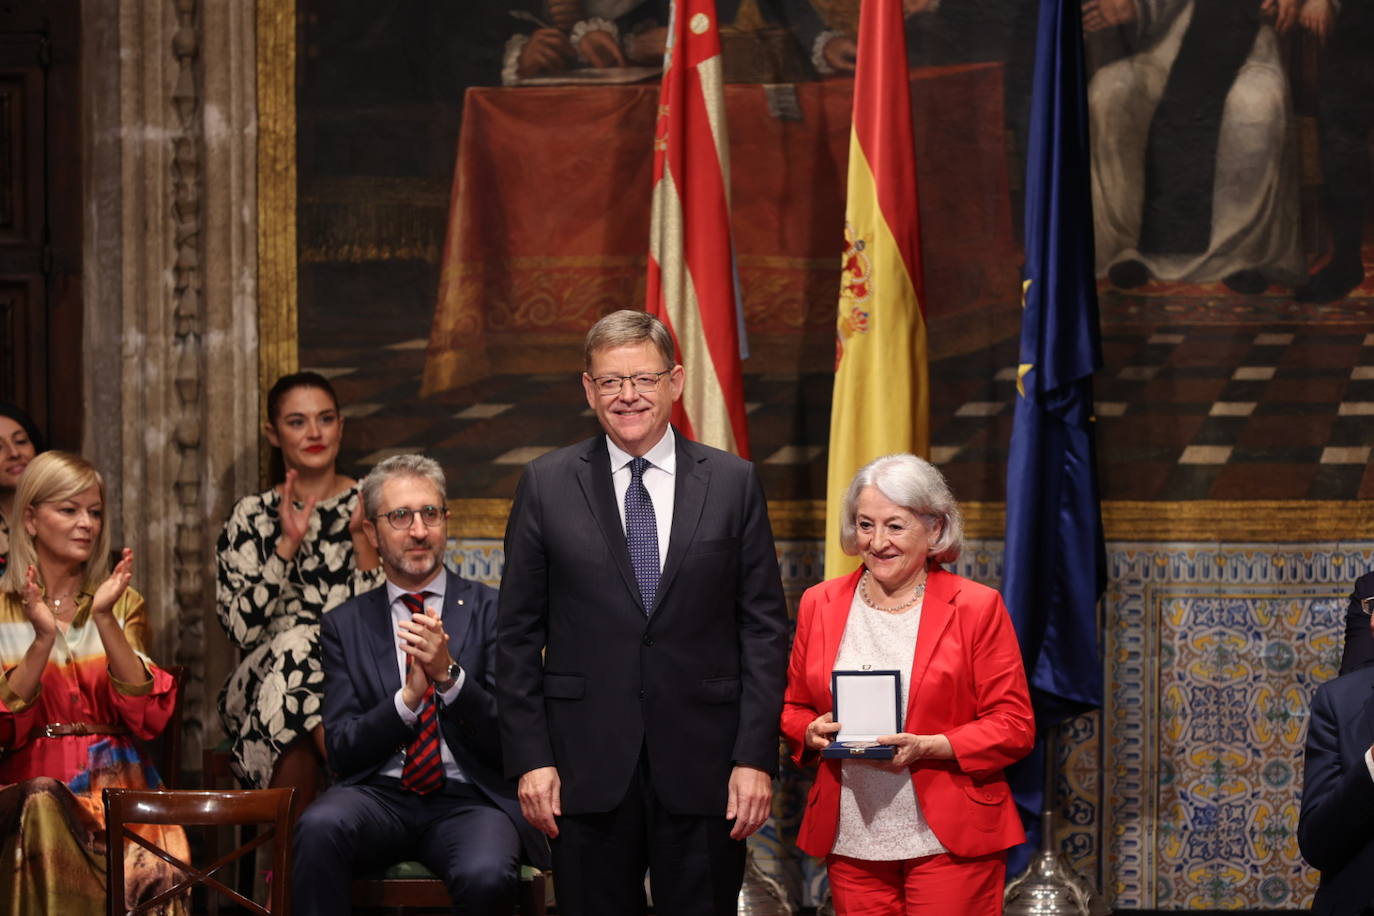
(691, 283)
(882, 402)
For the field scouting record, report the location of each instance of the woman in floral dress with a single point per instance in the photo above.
(287, 556)
(77, 690)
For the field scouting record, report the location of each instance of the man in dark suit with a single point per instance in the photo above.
(1336, 826)
(410, 720)
(642, 646)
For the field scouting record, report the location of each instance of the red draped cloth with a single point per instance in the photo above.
(549, 221)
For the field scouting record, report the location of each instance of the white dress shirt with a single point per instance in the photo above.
(434, 604)
(659, 480)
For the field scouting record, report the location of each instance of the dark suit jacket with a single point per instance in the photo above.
(1359, 640)
(699, 683)
(1336, 826)
(361, 726)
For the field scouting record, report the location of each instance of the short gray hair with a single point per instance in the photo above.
(915, 485)
(400, 466)
(625, 328)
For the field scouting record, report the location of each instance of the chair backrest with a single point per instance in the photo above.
(268, 808)
(164, 751)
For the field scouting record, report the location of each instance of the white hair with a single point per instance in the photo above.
(915, 485)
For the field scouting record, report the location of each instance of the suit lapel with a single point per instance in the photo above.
(937, 610)
(689, 499)
(380, 640)
(594, 477)
(457, 613)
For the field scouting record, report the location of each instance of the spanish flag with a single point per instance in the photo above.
(882, 402)
(692, 285)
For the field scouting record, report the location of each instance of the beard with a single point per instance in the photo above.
(413, 565)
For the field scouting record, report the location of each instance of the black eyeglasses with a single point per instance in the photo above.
(643, 382)
(1367, 605)
(432, 516)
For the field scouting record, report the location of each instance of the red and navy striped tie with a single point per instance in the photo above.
(424, 767)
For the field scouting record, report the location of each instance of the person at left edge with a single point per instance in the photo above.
(78, 691)
(392, 674)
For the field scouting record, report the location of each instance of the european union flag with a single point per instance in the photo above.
(1054, 570)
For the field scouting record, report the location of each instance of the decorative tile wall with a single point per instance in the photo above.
(1182, 794)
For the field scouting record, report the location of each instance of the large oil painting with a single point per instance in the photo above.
(470, 184)
(472, 192)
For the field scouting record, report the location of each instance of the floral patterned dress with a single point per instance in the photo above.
(271, 610)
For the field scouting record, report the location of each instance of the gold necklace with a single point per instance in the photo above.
(57, 602)
(915, 596)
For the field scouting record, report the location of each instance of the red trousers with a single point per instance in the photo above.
(942, 885)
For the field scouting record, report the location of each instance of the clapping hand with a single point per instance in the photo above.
(413, 690)
(35, 608)
(425, 640)
(294, 522)
(114, 585)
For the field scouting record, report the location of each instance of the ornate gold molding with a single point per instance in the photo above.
(278, 343)
(1234, 522)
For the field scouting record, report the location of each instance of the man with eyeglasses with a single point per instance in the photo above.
(642, 646)
(1336, 823)
(410, 720)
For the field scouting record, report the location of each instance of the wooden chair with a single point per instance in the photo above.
(411, 886)
(270, 809)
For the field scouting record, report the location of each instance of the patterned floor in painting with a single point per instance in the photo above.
(1204, 394)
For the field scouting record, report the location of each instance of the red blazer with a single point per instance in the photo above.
(967, 683)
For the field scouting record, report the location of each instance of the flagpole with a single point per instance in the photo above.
(1049, 886)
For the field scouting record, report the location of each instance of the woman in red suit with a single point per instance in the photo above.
(927, 831)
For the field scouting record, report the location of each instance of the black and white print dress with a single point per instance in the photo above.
(271, 610)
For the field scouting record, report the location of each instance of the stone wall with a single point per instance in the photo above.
(170, 311)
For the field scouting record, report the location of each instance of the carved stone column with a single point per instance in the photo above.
(170, 251)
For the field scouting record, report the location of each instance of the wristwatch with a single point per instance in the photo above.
(450, 678)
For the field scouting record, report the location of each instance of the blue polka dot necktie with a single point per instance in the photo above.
(423, 771)
(641, 533)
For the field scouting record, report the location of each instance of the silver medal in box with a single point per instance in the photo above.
(867, 704)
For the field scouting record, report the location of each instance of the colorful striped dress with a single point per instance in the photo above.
(52, 842)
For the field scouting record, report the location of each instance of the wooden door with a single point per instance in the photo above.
(40, 215)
